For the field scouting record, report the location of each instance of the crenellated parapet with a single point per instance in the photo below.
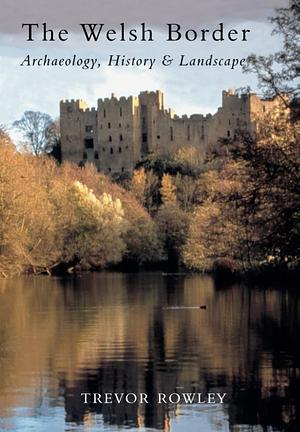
(73, 105)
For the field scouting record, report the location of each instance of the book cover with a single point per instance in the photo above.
(149, 216)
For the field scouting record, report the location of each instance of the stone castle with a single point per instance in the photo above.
(119, 132)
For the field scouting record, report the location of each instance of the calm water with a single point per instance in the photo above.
(113, 332)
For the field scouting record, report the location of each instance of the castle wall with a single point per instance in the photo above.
(232, 116)
(261, 107)
(120, 131)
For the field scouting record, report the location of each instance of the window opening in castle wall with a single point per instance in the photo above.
(202, 132)
(89, 143)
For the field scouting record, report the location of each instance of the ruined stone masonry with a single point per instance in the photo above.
(115, 135)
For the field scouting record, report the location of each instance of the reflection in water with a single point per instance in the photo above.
(114, 332)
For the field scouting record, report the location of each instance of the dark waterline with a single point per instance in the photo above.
(142, 332)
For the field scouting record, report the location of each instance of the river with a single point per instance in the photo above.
(147, 333)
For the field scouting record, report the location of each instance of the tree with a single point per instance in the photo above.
(38, 130)
(217, 233)
(278, 73)
(138, 185)
(53, 140)
(94, 224)
(151, 190)
(145, 187)
(172, 224)
(272, 192)
(249, 208)
(27, 216)
(167, 190)
(210, 238)
(141, 238)
(185, 190)
(187, 161)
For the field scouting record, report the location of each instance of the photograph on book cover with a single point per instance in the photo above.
(149, 215)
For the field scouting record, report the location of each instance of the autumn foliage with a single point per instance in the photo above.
(238, 209)
(66, 217)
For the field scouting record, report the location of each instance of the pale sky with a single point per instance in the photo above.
(187, 89)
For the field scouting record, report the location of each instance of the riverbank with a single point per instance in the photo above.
(223, 276)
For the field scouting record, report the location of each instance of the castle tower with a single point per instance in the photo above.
(78, 126)
(151, 107)
(118, 134)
